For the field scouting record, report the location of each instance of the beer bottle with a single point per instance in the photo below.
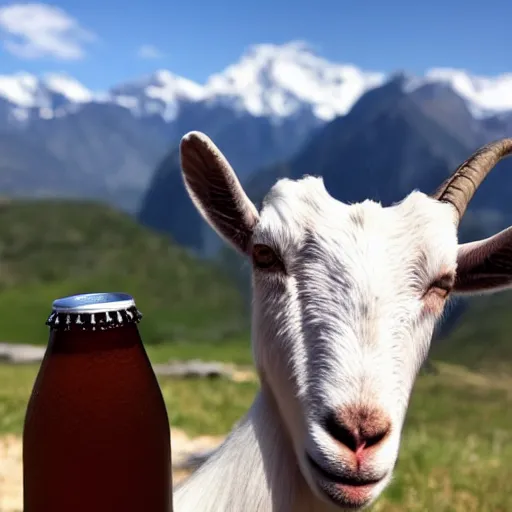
(96, 435)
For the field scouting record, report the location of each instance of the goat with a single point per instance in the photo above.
(345, 300)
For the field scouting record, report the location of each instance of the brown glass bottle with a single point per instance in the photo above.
(96, 435)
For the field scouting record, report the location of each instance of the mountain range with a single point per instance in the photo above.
(280, 111)
(61, 139)
(402, 135)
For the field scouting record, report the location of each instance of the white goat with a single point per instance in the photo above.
(345, 302)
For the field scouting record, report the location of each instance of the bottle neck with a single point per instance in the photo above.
(82, 341)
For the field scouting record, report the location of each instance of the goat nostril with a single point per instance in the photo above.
(341, 433)
(358, 431)
(375, 439)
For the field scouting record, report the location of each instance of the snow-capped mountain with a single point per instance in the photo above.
(485, 96)
(280, 80)
(274, 81)
(277, 81)
(407, 134)
(47, 96)
(160, 93)
(269, 80)
(260, 110)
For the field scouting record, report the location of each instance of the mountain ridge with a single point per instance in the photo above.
(267, 80)
(391, 142)
(263, 109)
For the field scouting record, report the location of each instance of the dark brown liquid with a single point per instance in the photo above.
(96, 435)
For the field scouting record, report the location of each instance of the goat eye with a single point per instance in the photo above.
(442, 286)
(265, 258)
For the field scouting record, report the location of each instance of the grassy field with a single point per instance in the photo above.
(482, 340)
(456, 454)
(457, 446)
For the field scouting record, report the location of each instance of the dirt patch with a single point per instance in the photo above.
(11, 470)
(11, 488)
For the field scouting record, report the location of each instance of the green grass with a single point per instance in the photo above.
(15, 388)
(482, 339)
(237, 351)
(49, 249)
(456, 452)
(200, 407)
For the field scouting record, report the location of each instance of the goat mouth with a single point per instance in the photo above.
(342, 480)
(347, 493)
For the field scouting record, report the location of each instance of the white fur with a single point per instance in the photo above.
(347, 324)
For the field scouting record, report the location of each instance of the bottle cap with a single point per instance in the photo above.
(91, 311)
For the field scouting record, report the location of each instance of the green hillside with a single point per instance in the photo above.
(482, 338)
(54, 248)
(451, 458)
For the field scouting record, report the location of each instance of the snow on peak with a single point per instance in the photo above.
(269, 80)
(487, 95)
(19, 89)
(279, 80)
(483, 95)
(68, 87)
(158, 93)
(52, 93)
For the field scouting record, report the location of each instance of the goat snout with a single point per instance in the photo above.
(358, 428)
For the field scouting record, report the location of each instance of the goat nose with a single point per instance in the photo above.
(358, 428)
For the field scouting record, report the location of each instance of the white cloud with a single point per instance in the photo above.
(148, 51)
(35, 30)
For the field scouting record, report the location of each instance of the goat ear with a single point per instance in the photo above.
(216, 191)
(485, 265)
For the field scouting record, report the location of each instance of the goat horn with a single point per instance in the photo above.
(464, 182)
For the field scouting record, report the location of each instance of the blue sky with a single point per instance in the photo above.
(99, 41)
